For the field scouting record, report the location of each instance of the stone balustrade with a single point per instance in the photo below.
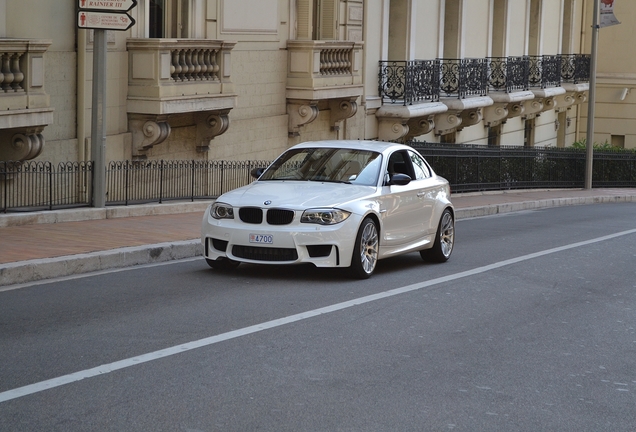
(24, 105)
(163, 70)
(320, 64)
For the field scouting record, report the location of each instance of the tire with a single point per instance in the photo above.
(444, 240)
(365, 250)
(223, 264)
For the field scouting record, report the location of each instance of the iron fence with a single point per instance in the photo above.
(36, 186)
(32, 186)
(471, 168)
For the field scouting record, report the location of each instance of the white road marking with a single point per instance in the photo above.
(122, 364)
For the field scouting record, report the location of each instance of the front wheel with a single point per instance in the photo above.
(365, 250)
(222, 263)
(444, 240)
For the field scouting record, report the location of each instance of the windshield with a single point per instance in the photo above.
(359, 167)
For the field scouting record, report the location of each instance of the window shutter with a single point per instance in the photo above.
(328, 22)
(303, 19)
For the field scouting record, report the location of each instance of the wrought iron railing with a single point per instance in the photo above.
(508, 73)
(464, 77)
(471, 168)
(408, 82)
(545, 71)
(575, 68)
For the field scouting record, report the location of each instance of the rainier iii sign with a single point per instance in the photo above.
(108, 5)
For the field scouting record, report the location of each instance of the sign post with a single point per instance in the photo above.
(101, 15)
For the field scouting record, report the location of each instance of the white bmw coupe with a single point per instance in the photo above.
(333, 204)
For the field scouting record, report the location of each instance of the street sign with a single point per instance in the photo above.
(118, 21)
(107, 5)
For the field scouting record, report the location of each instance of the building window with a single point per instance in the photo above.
(494, 136)
(528, 135)
(169, 18)
(317, 20)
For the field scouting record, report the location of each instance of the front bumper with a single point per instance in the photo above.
(296, 243)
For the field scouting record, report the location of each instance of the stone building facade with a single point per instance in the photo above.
(246, 79)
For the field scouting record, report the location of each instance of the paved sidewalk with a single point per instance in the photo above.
(44, 245)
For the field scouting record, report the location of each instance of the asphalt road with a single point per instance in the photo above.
(531, 326)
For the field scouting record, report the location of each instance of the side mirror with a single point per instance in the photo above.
(400, 179)
(257, 172)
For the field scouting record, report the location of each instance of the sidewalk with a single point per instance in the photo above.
(44, 245)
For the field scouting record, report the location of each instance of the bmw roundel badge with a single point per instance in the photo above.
(268, 202)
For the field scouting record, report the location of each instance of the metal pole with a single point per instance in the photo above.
(589, 142)
(98, 131)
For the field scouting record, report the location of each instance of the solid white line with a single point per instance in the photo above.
(122, 364)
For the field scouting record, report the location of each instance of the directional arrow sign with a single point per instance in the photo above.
(108, 5)
(104, 20)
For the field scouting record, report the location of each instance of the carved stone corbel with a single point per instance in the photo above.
(515, 109)
(22, 144)
(420, 126)
(495, 114)
(564, 101)
(147, 132)
(580, 98)
(300, 113)
(342, 109)
(549, 103)
(532, 108)
(470, 117)
(392, 129)
(210, 125)
(447, 122)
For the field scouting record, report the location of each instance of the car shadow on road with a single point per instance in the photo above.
(310, 273)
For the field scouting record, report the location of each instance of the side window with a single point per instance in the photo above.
(399, 163)
(422, 171)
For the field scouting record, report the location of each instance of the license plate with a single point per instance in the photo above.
(262, 238)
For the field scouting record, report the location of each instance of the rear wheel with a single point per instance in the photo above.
(222, 264)
(444, 240)
(365, 250)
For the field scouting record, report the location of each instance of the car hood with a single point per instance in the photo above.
(295, 194)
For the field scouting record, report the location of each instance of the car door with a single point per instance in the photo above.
(401, 206)
(427, 192)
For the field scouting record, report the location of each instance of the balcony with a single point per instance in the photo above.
(185, 80)
(24, 105)
(447, 95)
(322, 75)
(575, 77)
(508, 87)
(410, 92)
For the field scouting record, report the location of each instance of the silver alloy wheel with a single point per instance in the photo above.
(369, 247)
(447, 234)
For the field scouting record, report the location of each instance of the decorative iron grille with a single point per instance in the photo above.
(575, 68)
(508, 73)
(464, 77)
(545, 71)
(407, 82)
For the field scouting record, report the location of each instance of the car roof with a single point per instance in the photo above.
(378, 146)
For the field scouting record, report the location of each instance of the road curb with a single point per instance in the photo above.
(82, 214)
(49, 268)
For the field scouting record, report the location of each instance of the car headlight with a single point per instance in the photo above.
(324, 216)
(221, 210)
